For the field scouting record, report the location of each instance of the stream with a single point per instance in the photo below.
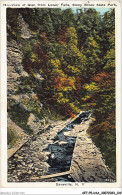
(62, 152)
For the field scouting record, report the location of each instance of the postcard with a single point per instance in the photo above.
(60, 94)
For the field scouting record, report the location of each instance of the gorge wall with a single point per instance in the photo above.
(22, 120)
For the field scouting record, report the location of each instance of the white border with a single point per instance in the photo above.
(4, 98)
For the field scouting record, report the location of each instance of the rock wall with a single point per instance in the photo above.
(14, 66)
(19, 101)
(26, 33)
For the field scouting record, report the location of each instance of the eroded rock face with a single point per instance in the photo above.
(18, 100)
(26, 33)
(14, 66)
(14, 72)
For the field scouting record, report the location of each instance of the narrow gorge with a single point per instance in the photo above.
(67, 150)
(60, 96)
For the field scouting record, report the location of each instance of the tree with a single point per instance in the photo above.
(88, 25)
(107, 29)
(92, 52)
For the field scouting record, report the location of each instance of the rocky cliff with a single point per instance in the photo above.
(22, 103)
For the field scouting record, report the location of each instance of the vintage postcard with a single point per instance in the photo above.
(60, 94)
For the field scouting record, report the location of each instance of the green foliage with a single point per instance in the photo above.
(68, 18)
(109, 58)
(88, 25)
(12, 137)
(100, 96)
(104, 135)
(107, 31)
(28, 46)
(13, 27)
(19, 115)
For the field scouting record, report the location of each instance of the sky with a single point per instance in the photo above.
(101, 10)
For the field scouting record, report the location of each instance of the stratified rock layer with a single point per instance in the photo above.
(18, 100)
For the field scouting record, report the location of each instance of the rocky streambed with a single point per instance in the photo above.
(51, 151)
(32, 160)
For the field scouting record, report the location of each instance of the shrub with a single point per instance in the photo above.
(12, 137)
